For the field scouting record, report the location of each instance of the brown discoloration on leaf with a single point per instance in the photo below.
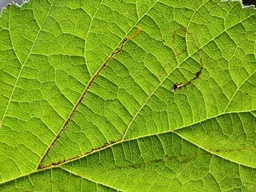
(71, 115)
(198, 73)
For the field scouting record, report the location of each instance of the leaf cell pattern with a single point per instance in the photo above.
(129, 131)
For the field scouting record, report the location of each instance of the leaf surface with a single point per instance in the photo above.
(83, 108)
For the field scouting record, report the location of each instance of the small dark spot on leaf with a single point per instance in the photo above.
(174, 87)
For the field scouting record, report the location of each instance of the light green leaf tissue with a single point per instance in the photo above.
(128, 96)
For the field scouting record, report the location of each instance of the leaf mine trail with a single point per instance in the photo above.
(198, 73)
(41, 166)
(176, 54)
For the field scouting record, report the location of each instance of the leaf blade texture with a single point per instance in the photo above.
(74, 116)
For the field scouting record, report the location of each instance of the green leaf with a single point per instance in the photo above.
(83, 108)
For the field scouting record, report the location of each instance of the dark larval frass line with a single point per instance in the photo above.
(176, 54)
(198, 73)
(174, 88)
(40, 166)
